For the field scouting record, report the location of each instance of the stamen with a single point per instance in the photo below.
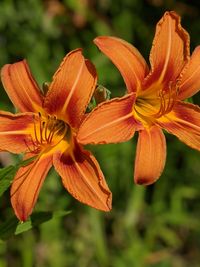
(34, 149)
(28, 146)
(35, 130)
(41, 129)
(44, 130)
(51, 134)
(167, 100)
(47, 127)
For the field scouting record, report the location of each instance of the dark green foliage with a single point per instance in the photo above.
(13, 226)
(7, 174)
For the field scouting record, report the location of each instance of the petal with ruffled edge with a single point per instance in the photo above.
(27, 184)
(110, 122)
(127, 59)
(189, 79)
(15, 132)
(150, 156)
(170, 50)
(82, 178)
(21, 87)
(184, 122)
(71, 89)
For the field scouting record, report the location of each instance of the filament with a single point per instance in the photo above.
(45, 128)
(167, 99)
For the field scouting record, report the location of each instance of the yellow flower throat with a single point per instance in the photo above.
(47, 131)
(151, 106)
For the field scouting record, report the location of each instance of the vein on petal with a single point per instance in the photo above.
(73, 87)
(85, 180)
(190, 77)
(109, 124)
(14, 132)
(130, 65)
(168, 52)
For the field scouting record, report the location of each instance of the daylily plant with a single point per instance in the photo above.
(154, 99)
(46, 128)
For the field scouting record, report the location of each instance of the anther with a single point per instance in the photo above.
(44, 130)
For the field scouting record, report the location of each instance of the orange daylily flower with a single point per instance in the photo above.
(46, 128)
(154, 99)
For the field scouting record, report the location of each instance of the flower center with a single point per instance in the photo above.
(149, 107)
(47, 131)
(166, 101)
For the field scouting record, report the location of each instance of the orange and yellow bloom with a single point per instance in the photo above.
(46, 128)
(154, 99)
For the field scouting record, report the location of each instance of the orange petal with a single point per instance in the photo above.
(27, 184)
(71, 89)
(127, 59)
(15, 131)
(190, 81)
(170, 50)
(150, 156)
(21, 86)
(184, 122)
(83, 179)
(110, 122)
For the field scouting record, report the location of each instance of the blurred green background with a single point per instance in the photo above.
(154, 226)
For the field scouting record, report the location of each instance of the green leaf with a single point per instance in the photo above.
(6, 177)
(7, 229)
(13, 227)
(7, 174)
